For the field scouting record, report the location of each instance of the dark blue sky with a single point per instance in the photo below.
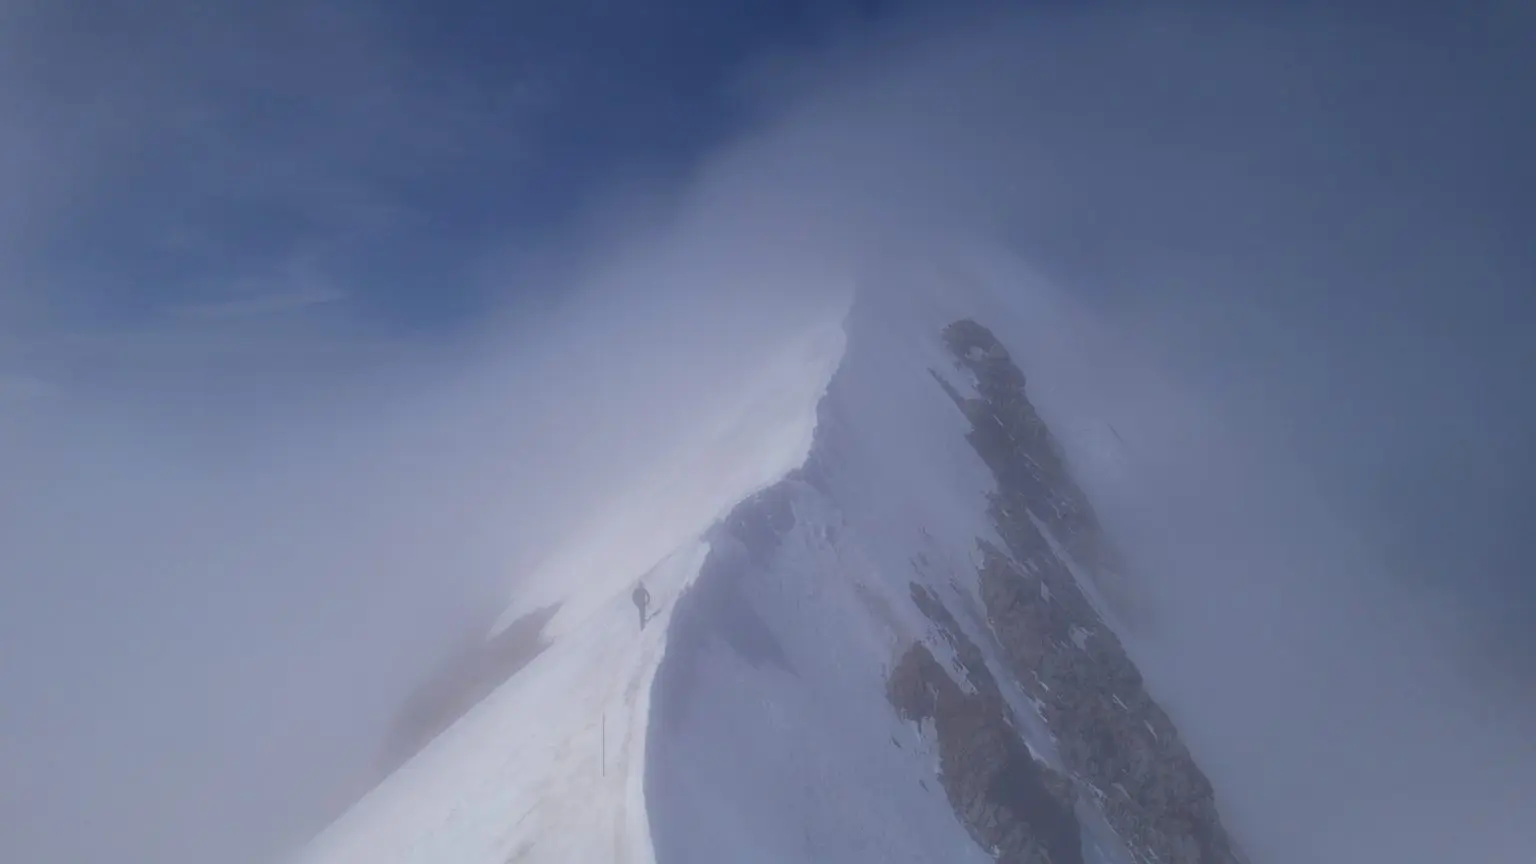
(205, 156)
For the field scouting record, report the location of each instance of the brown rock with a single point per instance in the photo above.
(1112, 735)
(1006, 800)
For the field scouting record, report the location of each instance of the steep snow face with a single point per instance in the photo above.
(902, 652)
(877, 635)
(772, 739)
(549, 767)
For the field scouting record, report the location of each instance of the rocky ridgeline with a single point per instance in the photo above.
(1011, 804)
(1123, 754)
(1016, 444)
(1119, 745)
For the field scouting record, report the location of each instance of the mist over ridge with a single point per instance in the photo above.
(1278, 252)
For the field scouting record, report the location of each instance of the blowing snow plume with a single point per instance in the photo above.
(1279, 341)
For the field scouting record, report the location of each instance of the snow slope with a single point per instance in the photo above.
(905, 651)
(785, 747)
(550, 766)
(865, 599)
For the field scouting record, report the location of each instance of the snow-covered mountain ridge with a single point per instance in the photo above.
(928, 592)
(891, 645)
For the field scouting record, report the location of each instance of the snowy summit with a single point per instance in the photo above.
(881, 627)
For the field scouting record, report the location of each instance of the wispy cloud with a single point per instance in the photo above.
(182, 151)
(15, 388)
(267, 304)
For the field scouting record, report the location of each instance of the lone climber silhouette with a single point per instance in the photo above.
(642, 599)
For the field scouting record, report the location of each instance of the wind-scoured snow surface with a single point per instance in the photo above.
(748, 720)
(773, 738)
(551, 766)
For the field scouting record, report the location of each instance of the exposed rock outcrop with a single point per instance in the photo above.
(1116, 741)
(1010, 803)
(760, 522)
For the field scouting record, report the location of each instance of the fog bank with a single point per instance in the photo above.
(1278, 252)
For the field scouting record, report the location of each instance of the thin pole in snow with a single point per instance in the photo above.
(605, 743)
